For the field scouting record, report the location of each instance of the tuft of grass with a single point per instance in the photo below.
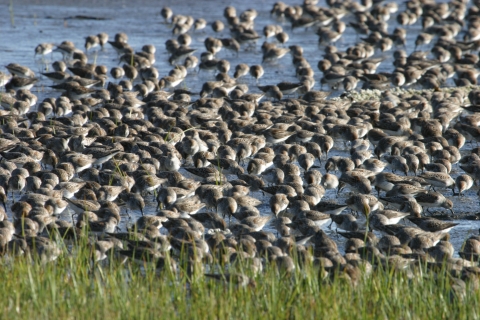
(75, 287)
(12, 15)
(166, 139)
(218, 180)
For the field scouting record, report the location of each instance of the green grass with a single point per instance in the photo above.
(75, 287)
(12, 15)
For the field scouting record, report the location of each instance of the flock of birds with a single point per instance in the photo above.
(198, 166)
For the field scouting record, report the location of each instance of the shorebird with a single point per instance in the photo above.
(434, 199)
(256, 71)
(433, 225)
(438, 179)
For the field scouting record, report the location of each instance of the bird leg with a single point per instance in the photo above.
(330, 225)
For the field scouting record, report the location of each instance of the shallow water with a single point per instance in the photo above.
(34, 23)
